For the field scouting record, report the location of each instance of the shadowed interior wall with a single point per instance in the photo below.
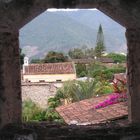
(10, 89)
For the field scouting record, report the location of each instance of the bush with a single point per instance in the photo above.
(109, 73)
(76, 90)
(51, 114)
(103, 87)
(95, 69)
(31, 112)
(81, 70)
(103, 76)
(102, 72)
(84, 90)
(118, 58)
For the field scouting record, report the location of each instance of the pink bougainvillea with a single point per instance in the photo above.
(113, 99)
(119, 94)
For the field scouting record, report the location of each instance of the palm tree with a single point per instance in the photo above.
(85, 90)
(77, 90)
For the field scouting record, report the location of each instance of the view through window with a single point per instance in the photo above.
(73, 63)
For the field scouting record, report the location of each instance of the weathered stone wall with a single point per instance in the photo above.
(47, 131)
(39, 92)
(133, 63)
(10, 90)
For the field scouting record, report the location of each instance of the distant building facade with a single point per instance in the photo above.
(105, 60)
(83, 61)
(87, 61)
(48, 72)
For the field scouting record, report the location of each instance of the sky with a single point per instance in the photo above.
(67, 10)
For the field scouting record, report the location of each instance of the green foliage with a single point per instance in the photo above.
(38, 61)
(22, 55)
(89, 53)
(103, 76)
(99, 71)
(73, 91)
(85, 90)
(118, 58)
(108, 73)
(83, 53)
(81, 70)
(67, 91)
(76, 90)
(100, 47)
(51, 114)
(103, 87)
(54, 57)
(31, 112)
(95, 69)
(76, 53)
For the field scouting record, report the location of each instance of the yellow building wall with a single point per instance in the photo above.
(49, 78)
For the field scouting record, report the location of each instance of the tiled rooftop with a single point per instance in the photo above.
(83, 61)
(82, 113)
(50, 68)
(105, 60)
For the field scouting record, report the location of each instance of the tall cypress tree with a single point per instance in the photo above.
(100, 46)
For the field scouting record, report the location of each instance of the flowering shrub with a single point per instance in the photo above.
(119, 86)
(119, 95)
(113, 98)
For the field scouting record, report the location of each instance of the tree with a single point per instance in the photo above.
(36, 61)
(22, 55)
(100, 47)
(81, 70)
(77, 90)
(76, 53)
(54, 57)
(89, 53)
(117, 58)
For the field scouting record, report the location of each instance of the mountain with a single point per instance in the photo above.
(62, 30)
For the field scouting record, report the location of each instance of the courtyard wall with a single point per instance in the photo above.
(39, 92)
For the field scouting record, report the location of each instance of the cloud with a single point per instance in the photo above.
(67, 10)
(30, 51)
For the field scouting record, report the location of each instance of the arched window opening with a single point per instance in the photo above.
(77, 59)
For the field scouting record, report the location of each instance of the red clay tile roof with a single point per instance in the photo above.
(82, 112)
(50, 68)
(83, 61)
(105, 60)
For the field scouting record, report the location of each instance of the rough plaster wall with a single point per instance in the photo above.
(38, 93)
(10, 90)
(50, 77)
(133, 63)
(46, 131)
(125, 12)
